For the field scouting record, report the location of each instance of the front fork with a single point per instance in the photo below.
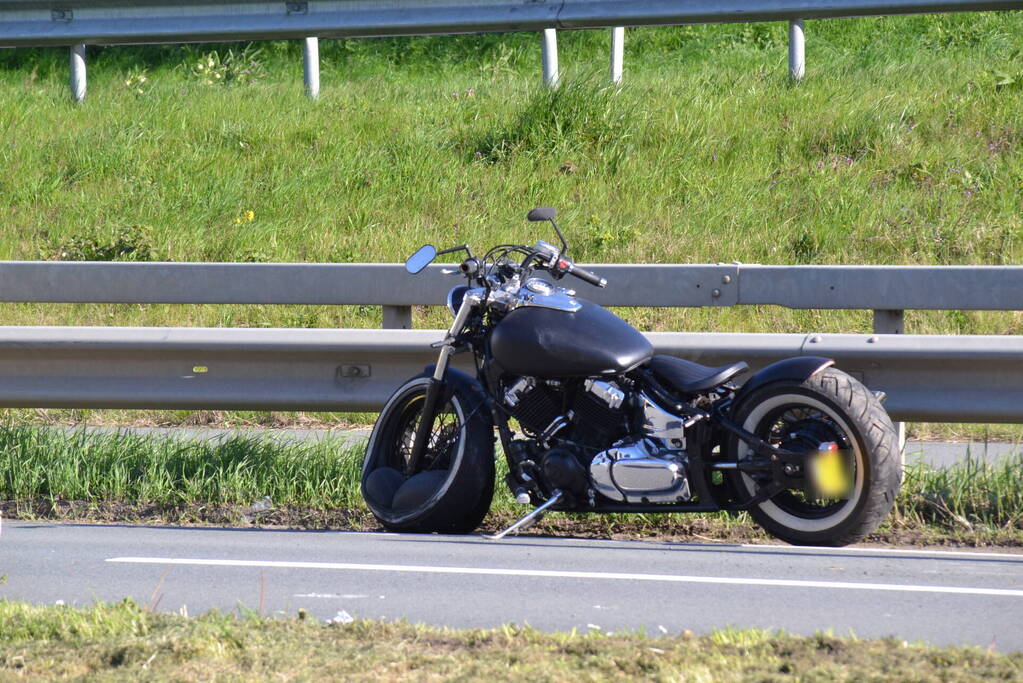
(436, 386)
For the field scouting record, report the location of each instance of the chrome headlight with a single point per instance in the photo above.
(455, 297)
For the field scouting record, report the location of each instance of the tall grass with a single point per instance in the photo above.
(902, 145)
(53, 465)
(56, 466)
(972, 493)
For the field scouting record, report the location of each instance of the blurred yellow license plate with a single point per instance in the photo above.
(829, 472)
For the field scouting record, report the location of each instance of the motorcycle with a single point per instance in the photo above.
(590, 419)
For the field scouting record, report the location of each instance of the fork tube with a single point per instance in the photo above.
(425, 426)
(436, 386)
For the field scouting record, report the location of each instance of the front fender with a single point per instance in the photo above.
(463, 380)
(795, 369)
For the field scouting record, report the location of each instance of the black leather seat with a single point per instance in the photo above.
(687, 377)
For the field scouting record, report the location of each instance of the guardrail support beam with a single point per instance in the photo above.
(893, 322)
(549, 56)
(78, 72)
(889, 322)
(617, 53)
(797, 50)
(311, 66)
(397, 318)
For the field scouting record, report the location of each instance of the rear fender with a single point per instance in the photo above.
(796, 369)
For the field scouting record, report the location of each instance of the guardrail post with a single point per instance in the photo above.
(311, 66)
(893, 322)
(397, 318)
(797, 50)
(78, 72)
(549, 55)
(617, 53)
(889, 322)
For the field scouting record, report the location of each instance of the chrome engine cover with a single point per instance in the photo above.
(641, 472)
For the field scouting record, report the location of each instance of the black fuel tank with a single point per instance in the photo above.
(543, 342)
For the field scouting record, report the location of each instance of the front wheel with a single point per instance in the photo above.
(828, 408)
(451, 489)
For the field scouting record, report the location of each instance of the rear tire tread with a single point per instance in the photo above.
(880, 447)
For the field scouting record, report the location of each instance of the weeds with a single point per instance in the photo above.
(232, 68)
(123, 244)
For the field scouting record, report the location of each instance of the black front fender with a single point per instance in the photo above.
(457, 378)
(795, 369)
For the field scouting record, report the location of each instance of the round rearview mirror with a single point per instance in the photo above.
(421, 259)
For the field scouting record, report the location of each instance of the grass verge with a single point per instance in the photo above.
(901, 145)
(122, 641)
(79, 475)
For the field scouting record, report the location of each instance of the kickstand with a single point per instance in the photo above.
(529, 520)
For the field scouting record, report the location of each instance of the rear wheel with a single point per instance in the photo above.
(451, 489)
(828, 408)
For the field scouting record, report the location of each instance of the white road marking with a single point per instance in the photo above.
(979, 554)
(564, 574)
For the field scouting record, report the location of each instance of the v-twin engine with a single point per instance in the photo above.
(641, 472)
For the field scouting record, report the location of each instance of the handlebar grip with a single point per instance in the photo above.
(587, 276)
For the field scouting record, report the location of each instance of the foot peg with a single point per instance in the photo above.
(529, 520)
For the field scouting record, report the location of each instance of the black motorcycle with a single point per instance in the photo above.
(592, 420)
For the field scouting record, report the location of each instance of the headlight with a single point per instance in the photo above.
(455, 297)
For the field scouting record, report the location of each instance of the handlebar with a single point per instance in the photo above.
(567, 266)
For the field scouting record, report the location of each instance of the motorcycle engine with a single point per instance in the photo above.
(641, 472)
(589, 413)
(592, 414)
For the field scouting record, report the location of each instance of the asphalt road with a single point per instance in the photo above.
(943, 597)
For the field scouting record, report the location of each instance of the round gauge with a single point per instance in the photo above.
(538, 286)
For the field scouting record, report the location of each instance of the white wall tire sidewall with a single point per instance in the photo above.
(401, 395)
(787, 519)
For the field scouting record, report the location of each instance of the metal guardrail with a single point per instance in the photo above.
(77, 22)
(656, 285)
(928, 378)
(67, 22)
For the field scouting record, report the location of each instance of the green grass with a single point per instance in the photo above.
(122, 641)
(124, 477)
(901, 146)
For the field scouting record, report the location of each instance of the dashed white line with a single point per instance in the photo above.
(567, 574)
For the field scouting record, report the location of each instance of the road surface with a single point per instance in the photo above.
(943, 597)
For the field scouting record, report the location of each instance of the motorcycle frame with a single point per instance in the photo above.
(711, 427)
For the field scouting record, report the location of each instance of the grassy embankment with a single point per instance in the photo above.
(902, 145)
(121, 642)
(126, 478)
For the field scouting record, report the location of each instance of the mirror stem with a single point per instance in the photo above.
(564, 242)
